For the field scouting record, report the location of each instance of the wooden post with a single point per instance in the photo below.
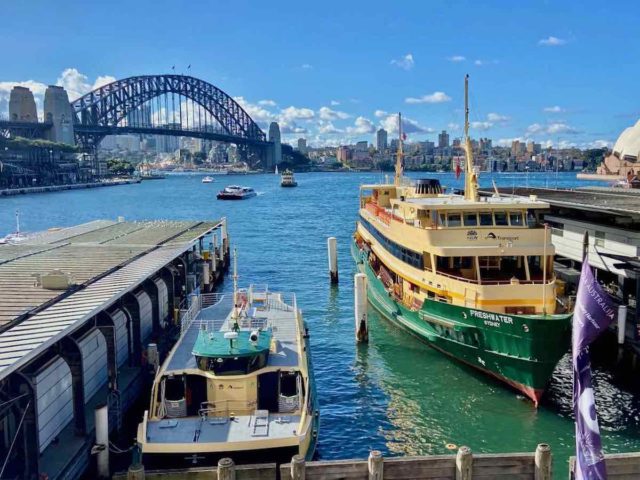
(360, 310)
(333, 259)
(135, 472)
(226, 469)
(464, 464)
(543, 462)
(297, 467)
(376, 465)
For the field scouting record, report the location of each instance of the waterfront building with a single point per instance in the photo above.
(302, 145)
(362, 146)
(343, 154)
(443, 139)
(77, 349)
(381, 140)
(622, 161)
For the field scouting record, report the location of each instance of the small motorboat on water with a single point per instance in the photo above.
(15, 237)
(236, 192)
(207, 179)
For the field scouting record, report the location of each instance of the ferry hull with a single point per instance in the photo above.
(519, 350)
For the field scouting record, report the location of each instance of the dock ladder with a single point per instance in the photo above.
(260, 423)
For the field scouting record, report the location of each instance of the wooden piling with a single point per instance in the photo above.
(360, 307)
(333, 259)
(135, 472)
(226, 469)
(543, 462)
(464, 464)
(298, 467)
(375, 465)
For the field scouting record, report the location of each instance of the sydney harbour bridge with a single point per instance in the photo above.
(174, 105)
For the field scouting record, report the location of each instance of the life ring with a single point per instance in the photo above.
(451, 446)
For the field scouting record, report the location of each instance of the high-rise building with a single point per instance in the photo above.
(485, 144)
(362, 146)
(343, 154)
(275, 155)
(518, 148)
(302, 145)
(381, 140)
(443, 139)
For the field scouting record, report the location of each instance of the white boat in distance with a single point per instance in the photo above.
(207, 179)
(236, 192)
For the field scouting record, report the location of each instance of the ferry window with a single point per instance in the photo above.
(532, 221)
(454, 220)
(599, 240)
(501, 218)
(470, 219)
(486, 219)
(427, 261)
(535, 267)
(515, 218)
(174, 388)
(443, 219)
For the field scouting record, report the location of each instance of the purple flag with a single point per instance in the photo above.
(593, 313)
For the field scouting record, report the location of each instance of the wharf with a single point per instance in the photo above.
(81, 310)
(71, 186)
(611, 218)
(463, 466)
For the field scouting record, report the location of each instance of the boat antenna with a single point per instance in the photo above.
(470, 177)
(399, 161)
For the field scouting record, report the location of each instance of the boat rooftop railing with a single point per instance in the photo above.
(195, 303)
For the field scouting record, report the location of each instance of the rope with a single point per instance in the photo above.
(115, 449)
(12, 400)
(162, 409)
(6, 460)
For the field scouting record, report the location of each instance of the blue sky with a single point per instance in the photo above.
(332, 71)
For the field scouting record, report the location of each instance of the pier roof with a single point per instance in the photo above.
(103, 259)
(611, 201)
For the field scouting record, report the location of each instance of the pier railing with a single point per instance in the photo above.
(463, 466)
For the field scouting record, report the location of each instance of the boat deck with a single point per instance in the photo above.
(242, 428)
(267, 310)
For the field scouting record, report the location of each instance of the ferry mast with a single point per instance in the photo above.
(470, 176)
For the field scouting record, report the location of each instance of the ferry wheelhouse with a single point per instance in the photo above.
(472, 276)
(238, 383)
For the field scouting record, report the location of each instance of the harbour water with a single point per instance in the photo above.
(395, 394)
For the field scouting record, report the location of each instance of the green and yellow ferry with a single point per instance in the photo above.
(471, 276)
(238, 383)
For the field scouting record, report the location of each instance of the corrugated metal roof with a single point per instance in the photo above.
(86, 252)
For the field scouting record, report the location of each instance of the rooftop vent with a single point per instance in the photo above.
(428, 186)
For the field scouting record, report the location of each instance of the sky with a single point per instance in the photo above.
(555, 72)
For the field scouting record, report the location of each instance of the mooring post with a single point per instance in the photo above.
(226, 469)
(376, 465)
(136, 469)
(543, 462)
(464, 464)
(622, 323)
(360, 307)
(101, 416)
(333, 259)
(297, 467)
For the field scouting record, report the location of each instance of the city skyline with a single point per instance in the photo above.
(538, 77)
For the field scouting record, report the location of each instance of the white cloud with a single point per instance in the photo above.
(453, 126)
(380, 113)
(506, 142)
(267, 103)
(551, 129)
(435, 97)
(554, 109)
(335, 103)
(406, 62)
(306, 66)
(329, 129)
(326, 113)
(256, 112)
(456, 58)
(481, 125)
(361, 126)
(390, 124)
(294, 113)
(496, 117)
(600, 144)
(75, 83)
(290, 127)
(552, 41)
(479, 63)
(102, 81)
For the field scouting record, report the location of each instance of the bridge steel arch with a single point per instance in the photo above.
(107, 106)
